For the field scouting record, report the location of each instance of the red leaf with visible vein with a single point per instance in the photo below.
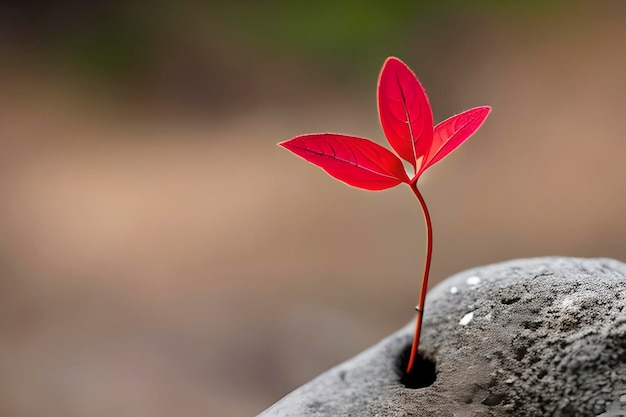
(356, 161)
(404, 110)
(451, 133)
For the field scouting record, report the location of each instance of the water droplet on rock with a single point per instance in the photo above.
(473, 280)
(466, 319)
(568, 303)
(454, 290)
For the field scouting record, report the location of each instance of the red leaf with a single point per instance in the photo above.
(404, 110)
(356, 161)
(452, 132)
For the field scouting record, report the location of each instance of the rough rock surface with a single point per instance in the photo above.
(530, 337)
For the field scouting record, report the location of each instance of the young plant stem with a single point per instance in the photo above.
(424, 286)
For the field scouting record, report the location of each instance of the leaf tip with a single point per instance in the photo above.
(393, 63)
(284, 145)
(482, 112)
(289, 143)
(391, 59)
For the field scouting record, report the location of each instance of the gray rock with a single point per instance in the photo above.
(531, 337)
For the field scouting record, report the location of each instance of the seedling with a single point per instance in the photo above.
(407, 121)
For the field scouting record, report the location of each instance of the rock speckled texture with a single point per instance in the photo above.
(531, 337)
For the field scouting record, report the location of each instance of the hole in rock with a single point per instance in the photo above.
(493, 400)
(423, 373)
(510, 300)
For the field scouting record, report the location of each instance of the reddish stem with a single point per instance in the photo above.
(424, 287)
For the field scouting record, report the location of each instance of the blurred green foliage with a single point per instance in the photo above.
(352, 30)
(119, 39)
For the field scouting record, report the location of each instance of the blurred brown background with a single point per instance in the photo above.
(160, 256)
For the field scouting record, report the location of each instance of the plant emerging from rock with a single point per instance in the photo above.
(407, 121)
